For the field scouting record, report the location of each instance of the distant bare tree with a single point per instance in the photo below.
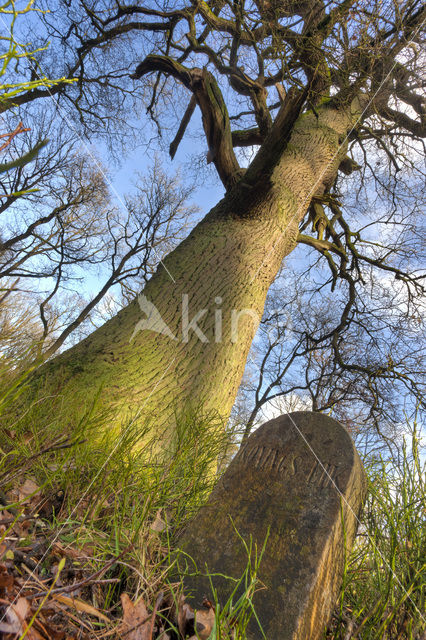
(368, 372)
(59, 224)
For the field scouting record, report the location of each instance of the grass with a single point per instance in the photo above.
(384, 594)
(113, 505)
(105, 497)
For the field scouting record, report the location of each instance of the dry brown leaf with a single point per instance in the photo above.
(158, 525)
(80, 606)
(29, 487)
(136, 619)
(21, 608)
(6, 579)
(5, 627)
(204, 622)
(185, 616)
(16, 614)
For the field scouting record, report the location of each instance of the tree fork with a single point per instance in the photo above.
(213, 110)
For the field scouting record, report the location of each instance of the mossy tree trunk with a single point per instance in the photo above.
(225, 266)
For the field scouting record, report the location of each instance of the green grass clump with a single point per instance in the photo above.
(384, 595)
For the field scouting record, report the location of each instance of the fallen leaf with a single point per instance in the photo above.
(16, 614)
(158, 525)
(29, 487)
(204, 622)
(6, 580)
(22, 607)
(185, 617)
(136, 619)
(5, 627)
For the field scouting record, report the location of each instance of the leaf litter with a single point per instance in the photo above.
(47, 585)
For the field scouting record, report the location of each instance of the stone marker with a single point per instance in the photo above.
(300, 476)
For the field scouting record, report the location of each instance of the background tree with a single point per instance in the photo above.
(60, 227)
(374, 385)
(303, 80)
(13, 53)
(58, 221)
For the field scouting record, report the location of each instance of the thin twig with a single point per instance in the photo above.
(82, 583)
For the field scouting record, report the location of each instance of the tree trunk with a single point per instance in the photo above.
(225, 266)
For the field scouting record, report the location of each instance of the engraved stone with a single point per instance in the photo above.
(298, 476)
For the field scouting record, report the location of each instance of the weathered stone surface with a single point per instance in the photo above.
(298, 476)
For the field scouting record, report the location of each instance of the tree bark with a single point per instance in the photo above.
(226, 266)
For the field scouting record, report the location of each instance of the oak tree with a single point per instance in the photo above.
(322, 88)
